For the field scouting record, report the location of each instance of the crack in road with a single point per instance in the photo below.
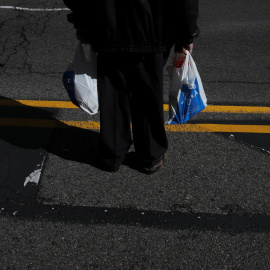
(26, 30)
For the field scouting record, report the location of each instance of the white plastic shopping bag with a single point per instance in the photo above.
(80, 80)
(186, 94)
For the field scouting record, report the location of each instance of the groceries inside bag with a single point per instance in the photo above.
(80, 80)
(186, 93)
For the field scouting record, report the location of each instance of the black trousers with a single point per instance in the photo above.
(130, 87)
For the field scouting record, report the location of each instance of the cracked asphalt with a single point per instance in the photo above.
(208, 208)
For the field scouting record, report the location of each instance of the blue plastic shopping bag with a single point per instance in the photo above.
(80, 80)
(186, 94)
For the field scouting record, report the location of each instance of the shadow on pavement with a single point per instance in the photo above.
(70, 143)
(18, 145)
(23, 150)
(65, 139)
(260, 141)
(236, 222)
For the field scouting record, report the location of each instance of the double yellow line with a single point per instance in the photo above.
(17, 122)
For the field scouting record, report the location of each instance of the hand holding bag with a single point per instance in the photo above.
(186, 94)
(80, 80)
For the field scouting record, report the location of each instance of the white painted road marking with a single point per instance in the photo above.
(34, 177)
(33, 9)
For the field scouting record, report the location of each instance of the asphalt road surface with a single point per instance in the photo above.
(207, 208)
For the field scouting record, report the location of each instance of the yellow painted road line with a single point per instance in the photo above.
(43, 123)
(230, 109)
(38, 103)
(236, 109)
(12, 122)
(70, 105)
(79, 124)
(218, 128)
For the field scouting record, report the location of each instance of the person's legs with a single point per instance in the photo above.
(115, 135)
(146, 86)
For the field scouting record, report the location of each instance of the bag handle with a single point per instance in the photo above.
(185, 66)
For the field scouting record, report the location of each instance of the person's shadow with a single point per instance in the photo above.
(56, 137)
(24, 144)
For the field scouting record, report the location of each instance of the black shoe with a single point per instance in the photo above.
(99, 163)
(153, 169)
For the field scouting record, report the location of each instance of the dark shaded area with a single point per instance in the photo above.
(23, 149)
(256, 140)
(22, 152)
(18, 165)
(232, 221)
